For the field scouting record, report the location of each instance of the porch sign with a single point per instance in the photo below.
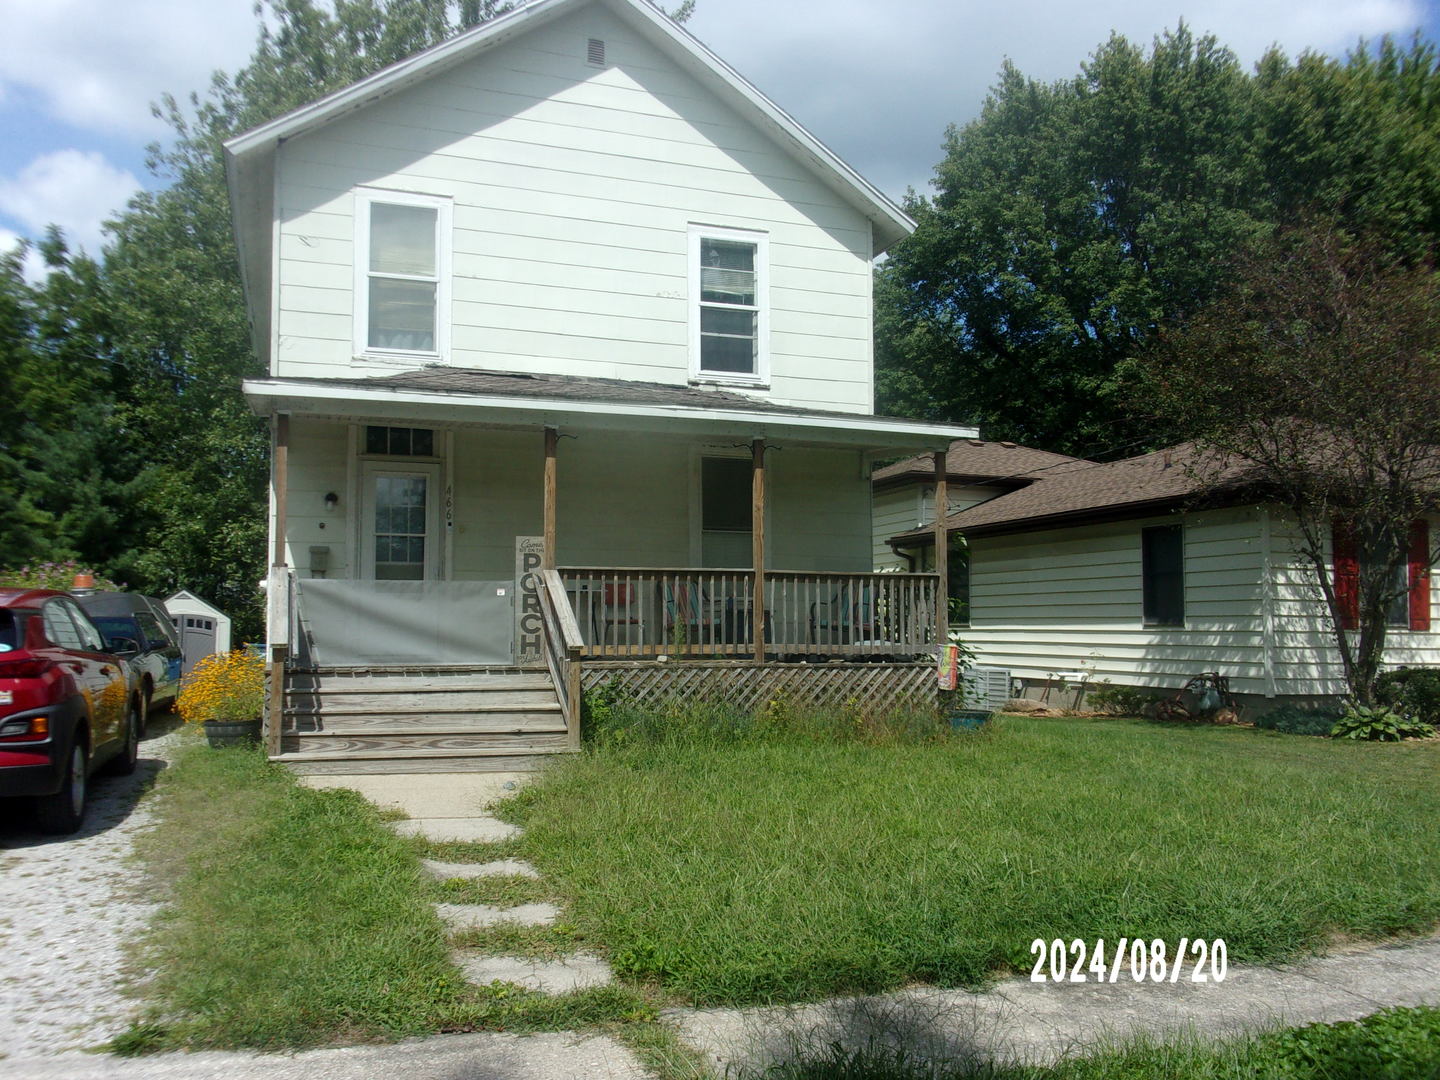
(949, 668)
(529, 626)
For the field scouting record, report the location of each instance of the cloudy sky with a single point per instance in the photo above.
(878, 80)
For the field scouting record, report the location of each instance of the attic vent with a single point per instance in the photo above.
(595, 52)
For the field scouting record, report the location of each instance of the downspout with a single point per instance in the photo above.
(902, 554)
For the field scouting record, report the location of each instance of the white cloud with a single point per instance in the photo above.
(74, 189)
(98, 65)
(880, 83)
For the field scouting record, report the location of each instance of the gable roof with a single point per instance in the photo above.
(250, 157)
(1085, 492)
(976, 461)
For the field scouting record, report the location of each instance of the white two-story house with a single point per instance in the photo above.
(568, 336)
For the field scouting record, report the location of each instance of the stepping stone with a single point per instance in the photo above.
(448, 871)
(578, 972)
(457, 917)
(484, 830)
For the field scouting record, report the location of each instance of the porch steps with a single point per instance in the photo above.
(421, 720)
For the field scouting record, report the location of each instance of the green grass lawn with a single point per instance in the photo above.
(765, 871)
(295, 918)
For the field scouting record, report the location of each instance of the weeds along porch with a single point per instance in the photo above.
(452, 569)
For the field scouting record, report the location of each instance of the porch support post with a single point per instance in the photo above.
(280, 478)
(757, 535)
(942, 555)
(552, 439)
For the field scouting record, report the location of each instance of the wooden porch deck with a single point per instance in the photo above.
(662, 635)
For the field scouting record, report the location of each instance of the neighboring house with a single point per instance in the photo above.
(903, 494)
(568, 338)
(1120, 571)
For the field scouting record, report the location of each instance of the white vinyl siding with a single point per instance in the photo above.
(1063, 599)
(1066, 599)
(574, 189)
(1307, 661)
(900, 509)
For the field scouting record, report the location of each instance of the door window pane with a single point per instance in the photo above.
(400, 527)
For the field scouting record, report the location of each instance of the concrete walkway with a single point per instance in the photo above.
(486, 1056)
(1018, 1021)
(448, 807)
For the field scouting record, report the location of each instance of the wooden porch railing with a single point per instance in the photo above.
(641, 612)
(281, 635)
(563, 649)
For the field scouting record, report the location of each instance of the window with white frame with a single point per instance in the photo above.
(402, 273)
(728, 311)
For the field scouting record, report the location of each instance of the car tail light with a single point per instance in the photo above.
(29, 668)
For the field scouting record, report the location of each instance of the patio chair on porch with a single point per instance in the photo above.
(686, 614)
(846, 618)
(622, 608)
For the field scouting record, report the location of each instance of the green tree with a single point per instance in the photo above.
(1072, 219)
(1316, 372)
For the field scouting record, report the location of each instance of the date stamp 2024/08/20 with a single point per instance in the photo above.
(1144, 961)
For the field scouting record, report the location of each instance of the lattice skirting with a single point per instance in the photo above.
(749, 686)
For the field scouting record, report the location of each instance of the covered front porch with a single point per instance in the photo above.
(680, 548)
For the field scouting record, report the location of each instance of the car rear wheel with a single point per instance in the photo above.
(64, 811)
(145, 709)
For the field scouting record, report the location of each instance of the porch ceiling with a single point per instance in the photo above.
(641, 407)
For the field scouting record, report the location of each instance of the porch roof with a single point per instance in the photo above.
(445, 395)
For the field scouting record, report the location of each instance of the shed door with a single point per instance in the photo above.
(197, 638)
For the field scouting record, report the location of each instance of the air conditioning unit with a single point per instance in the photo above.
(987, 687)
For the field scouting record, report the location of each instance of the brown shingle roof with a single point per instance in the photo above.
(975, 459)
(576, 388)
(1089, 491)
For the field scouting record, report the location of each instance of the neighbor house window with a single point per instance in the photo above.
(1355, 558)
(728, 306)
(402, 279)
(1162, 571)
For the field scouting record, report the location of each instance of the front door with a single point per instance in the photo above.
(399, 524)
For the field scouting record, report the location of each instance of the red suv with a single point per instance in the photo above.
(68, 705)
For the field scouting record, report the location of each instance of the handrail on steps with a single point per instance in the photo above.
(563, 648)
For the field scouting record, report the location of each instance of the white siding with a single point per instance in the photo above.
(1063, 600)
(573, 189)
(318, 466)
(1307, 659)
(899, 509)
(623, 500)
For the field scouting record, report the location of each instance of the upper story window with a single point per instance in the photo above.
(729, 317)
(1162, 568)
(402, 273)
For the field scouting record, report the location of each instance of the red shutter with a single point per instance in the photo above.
(1420, 575)
(1347, 574)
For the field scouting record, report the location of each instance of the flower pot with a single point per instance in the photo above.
(232, 732)
(969, 718)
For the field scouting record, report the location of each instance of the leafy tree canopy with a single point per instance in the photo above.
(1317, 366)
(1072, 219)
(125, 440)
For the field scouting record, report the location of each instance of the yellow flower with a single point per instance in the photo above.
(223, 686)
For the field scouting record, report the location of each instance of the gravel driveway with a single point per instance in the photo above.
(68, 907)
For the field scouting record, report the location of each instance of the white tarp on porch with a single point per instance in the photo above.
(373, 623)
